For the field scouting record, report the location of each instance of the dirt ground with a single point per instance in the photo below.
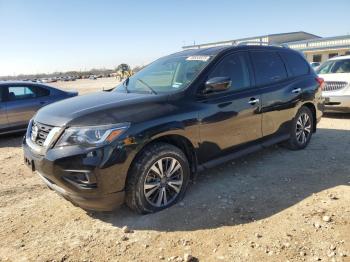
(273, 205)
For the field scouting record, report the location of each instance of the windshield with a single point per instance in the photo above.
(165, 75)
(335, 66)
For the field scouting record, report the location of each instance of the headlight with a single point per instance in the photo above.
(91, 135)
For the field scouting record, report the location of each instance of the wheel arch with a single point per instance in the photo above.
(181, 142)
(312, 108)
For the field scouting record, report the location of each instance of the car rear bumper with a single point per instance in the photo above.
(101, 189)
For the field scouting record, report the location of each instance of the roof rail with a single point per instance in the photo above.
(261, 44)
(281, 45)
(252, 43)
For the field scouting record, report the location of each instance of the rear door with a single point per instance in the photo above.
(230, 118)
(280, 92)
(3, 116)
(22, 103)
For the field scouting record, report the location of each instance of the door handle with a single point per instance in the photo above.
(275, 78)
(253, 101)
(296, 90)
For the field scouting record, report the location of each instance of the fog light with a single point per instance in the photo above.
(81, 179)
(91, 154)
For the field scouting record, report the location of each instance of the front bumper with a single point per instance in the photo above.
(336, 103)
(89, 178)
(100, 203)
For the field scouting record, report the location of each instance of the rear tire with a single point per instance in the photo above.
(301, 130)
(158, 178)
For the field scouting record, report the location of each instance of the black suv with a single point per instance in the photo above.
(142, 142)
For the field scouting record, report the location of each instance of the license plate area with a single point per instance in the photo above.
(30, 163)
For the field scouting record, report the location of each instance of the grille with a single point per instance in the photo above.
(39, 133)
(334, 85)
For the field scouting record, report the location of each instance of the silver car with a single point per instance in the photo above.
(19, 101)
(336, 74)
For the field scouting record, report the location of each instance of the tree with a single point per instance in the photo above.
(123, 67)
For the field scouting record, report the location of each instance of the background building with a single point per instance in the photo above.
(320, 50)
(315, 48)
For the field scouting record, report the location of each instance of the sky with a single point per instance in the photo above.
(41, 36)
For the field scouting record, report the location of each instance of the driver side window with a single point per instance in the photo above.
(234, 66)
(16, 93)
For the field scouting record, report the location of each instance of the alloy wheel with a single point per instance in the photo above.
(163, 182)
(303, 128)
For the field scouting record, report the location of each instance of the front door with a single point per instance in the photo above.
(3, 116)
(22, 104)
(229, 118)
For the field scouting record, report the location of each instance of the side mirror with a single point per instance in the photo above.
(217, 84)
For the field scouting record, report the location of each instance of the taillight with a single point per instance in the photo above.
(320, 81)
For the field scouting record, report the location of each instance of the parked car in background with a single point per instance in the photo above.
(92, 77)
(19, 101)
(143, 141)
(315, 65)
(336, 73)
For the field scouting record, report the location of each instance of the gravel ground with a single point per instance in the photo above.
(273, 205)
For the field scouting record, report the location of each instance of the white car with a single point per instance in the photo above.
(336, 91)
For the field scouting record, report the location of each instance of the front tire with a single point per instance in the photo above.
(301, 130)
(158, 178)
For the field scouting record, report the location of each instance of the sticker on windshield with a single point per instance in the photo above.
(203, 58)
(177, 85)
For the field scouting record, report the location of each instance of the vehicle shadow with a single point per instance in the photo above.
(250, 188)
(11, 140)
(337, 115)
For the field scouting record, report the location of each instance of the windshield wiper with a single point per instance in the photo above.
(125, 84)
(145, 84)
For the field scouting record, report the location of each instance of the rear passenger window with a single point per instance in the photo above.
(295, 63)
(234, 66)
(269, 67)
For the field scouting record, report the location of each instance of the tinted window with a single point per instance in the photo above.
(1, 93)
(269, 67)
(25, 92)
(296, 64)
(234, 66)
(40, 91)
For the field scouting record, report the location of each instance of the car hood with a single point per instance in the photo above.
(101, 108)
(343, 77)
